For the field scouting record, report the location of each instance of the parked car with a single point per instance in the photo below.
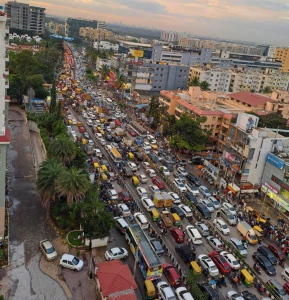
(178, 211)
(142, 192)
(203, 211)
(278, 289)
(192, 188)
(238, 245)
(179, 185)
(157, 246)
(48, 250)
(215, 243)
(172, 275)
(214, 202)
(151, 173)
(71, 262)
(124, 210)
(191, 197)
(159, 183)
(124, 196)
(268, 254)
(277, 252)
(248, 296)
(222, 226)
(208, 204)
(165, 291)
(194, 234)
(183, 294)
(230, 207)
(220, 262)
(204, 191)
(231, 259)
(116, 253)
(153, 188)
(203, 228)
(207, 264)
(127, 172)
(208, 289)
(142, 178)
(141, 220)
(264, 263)
(175, 197)
(186, 253)
(186, 210)
(232, 295)
(177, 235)
(182, 170)
(193, 179)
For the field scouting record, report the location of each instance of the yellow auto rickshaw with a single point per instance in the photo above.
(150, 290)
(130, 156)
(104, 168)
(255, 214)
(135, 181)
(176, 219)
(96, 165)
(155, 147)
(103, 177)
(246, 278)
(259, 232)
(102, 121)
(79, 124)
(195, 268)
(155, 215)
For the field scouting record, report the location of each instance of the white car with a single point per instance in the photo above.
(74, 122)
(231, 259)
(207, 264)
(222, 226)
(146, 165)
(183, 294)
(182, 171)
(116, 253)
(175, 197)
(180, 185)
(48, 250)
(204, 191)
(91, 142)
(142, 178)
(151, 173)
(132, 166)
(214, 202)
(194, 235)
(124, 210)
(208, 205)
(147, 144)
(141, 220)
(142, 192)
(166, 171)
(71, 262)
(193, 189)
(97, 152)
(102, 142)
(147, 203)
(186, 210)
(230, 207)
(165, 291)
(153, 188)
(232, 295)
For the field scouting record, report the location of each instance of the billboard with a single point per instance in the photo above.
(275, 161)
(247, 122)
(137, 53)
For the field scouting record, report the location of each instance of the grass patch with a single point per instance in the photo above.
(72, 238)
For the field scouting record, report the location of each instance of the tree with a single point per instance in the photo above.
(16, 87)
(73, 184)
(46, 180)
(63, 149)
(120, 81)
(197, 293)
(267, 90)
(79, 160)
(204, 85)
(194, 82)
(104, 71)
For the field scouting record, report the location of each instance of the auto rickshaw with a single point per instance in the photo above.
(195, 268)
(102, 121)
(259, 232)
(150, 290)
(79, 124)
(103, 177)
(104, 168)
(96, 165)
(255, 214)
(200, 167)
(155, 215)
(135, 181)
(176, 219)
(154, 147)
(130, 156)
(246, 278)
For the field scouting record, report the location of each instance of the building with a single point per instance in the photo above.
(104, 45)
(25, 17)
(245, 153)
(96, 34)
(275, 179)
(169, 36)
(4, 102)
(282, 55)
(270, 51)
(100, 62)
(281, 104)
(115, 281)
(73, 25)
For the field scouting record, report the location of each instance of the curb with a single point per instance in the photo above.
(76, 247)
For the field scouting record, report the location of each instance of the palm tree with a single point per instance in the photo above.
(194, 82)
(204, 85)
(120, 81)
(63, 149)
(46, 180)
(104, 71)
(73, 184)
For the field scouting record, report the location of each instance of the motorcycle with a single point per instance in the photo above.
(257, 269)
(260, 288)
(221, 281)
(234, 279)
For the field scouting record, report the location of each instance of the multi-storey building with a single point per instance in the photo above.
(4, 101)
(96, 34)
(25, 17)
(169, 36)
(105, 45)
(73, 25)
(282, 55)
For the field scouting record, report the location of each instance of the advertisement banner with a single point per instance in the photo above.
(275, 161)
(137, 53)
(271, 187)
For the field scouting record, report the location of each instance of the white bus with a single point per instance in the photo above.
(115, 155)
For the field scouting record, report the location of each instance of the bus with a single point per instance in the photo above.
(115, 155)
(149, 263)
(140, 130)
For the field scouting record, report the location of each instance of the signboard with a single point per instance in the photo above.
(275, 161)
(137, 53)
(275, 197)
(271, 187)
(247, 121)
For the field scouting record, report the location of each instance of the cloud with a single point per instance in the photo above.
(153, 7)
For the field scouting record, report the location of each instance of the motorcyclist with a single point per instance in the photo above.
(256, 266)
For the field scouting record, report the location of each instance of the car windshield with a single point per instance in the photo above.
(266, 263)
(214, 268)
(231, 217)
(235, 263)
(180, 184)
(224, 226)
(240, 246)
(50, 250)
(282, 292)
(75, 261)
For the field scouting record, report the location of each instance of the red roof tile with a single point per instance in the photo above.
(129, 295)
(250, 98)
(198, 110)
(114, 277)
(5, 139)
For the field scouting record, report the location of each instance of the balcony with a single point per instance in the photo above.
(7, 57)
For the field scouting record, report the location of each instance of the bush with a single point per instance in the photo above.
(63, 223)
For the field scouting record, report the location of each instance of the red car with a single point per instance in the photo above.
(131, 132)
(220, 262)
(159, 183)
(117, 122)
(177, 235)
(286, 287)
(172, 275)
(124, 196)
(277, 252)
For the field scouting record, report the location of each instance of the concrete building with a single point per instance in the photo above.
(73, 25)
(270, 51)
(282, 55)
(96, 34)
(245, 153)
(105, 45)
(169, 36)
(275, 179)
(25, 17)
(4, 131)
(101, 62)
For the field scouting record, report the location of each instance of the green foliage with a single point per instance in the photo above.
(161, 170)
(155, 111)
(120, 81)
(79, 160)
(194, 82)
(62, 148)
(16, 87)
(59, 207)
(194, 288)
(204, 85)
(267, 90)
(2, 256)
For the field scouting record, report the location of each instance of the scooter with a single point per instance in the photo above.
(260, 288)
(257, 269)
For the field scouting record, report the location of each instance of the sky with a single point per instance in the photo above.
(261, 21)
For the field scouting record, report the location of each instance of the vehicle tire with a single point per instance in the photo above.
(61, 266)
(125, 257)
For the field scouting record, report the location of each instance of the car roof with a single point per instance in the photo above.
(67, 256)
(46, 244)
(115, 250)
(236, 241)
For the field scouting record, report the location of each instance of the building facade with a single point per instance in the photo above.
(96, 34)
(4, 131)
(25, 17)
(282, 55)
(169, 36)
(73, 25)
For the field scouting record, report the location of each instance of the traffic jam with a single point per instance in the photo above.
(174, 218)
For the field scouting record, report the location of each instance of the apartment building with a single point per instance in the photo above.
(73, 25)
(282, 55)
(25, 17)
(100, 62)
(4, 102)
(105, 45)
(96, 34)
(169, 36)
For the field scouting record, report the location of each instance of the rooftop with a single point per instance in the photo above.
(250, 98)
(198, 110)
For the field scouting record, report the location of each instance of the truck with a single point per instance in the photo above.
(158, 199)
(247, 231)
(165, 215)
(168, 201)
(127, 141)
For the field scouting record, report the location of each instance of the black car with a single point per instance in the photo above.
(153, 157)
(207, 288)
(193, 179)
(108, 137)
(104, 162)
(203, 211)
(268, 254)
(169, 166)
(249, 296)
(195, 160)
(264, 263)
(138, 156)
(157, 246)
(191, 197)
(182, 163)
(186, 253)
(127, 172)
(178, 211)
(117, 139)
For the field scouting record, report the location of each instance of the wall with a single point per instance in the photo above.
(33, 127)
